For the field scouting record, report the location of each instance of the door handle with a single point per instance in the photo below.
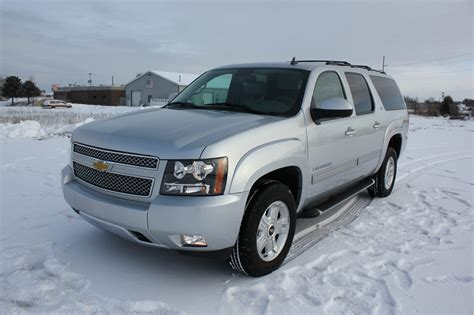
(350, 131)
(377, 125)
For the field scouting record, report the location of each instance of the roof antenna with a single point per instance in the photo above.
(293, 61)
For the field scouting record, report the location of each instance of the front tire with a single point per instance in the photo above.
(267, 231)
(385, 177)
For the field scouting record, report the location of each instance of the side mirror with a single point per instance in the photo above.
(332, 108)
(172, 96)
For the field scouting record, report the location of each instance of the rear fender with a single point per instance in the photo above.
(395, 127)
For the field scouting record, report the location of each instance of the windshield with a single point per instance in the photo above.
(266, 91)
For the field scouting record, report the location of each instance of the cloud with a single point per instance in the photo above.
(61, 41)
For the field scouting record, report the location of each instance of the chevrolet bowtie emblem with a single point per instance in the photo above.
(101, 166)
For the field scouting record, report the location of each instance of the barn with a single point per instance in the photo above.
(155, 86)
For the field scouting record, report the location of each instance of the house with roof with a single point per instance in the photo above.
(154, 85)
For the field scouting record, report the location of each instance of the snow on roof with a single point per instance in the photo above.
(175, 77)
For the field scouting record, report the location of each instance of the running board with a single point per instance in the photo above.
(333, 202)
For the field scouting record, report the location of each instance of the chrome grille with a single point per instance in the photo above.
(114, 182)
(117, 157)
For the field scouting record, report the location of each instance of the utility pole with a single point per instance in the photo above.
(90, 79)
(112, 80)
(383, 64)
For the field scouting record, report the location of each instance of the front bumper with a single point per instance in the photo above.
(160, 222)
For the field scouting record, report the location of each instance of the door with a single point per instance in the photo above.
(369, 129)
(136, 98)
(331, 149)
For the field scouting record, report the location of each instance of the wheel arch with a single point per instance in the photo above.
(394, 138)
(290, 176)
(284, 161)
(396, 143)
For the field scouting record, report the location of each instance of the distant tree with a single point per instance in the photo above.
(409, 99)
(430, 100)
(411, 102)
(468, 102)
(454, 109)
(29, 89)
(446, 104)
(1, 87)
(12, 87)
(430, 107)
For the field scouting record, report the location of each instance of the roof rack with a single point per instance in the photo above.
(362, 67)
(367, 68)
(328, 62)
(335, 63)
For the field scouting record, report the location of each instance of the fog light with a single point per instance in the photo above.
(193, 240)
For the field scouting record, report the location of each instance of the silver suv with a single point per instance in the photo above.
(241, 153)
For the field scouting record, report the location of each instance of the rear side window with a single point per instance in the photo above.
(388, 92)
(328, 86)
(360, 93)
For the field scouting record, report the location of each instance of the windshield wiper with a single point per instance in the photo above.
(217, 106)
(182, 105)
(234, 108)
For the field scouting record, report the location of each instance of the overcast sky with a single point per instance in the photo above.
(428, 44)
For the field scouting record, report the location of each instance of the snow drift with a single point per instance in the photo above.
(23, 129)
(39, 123)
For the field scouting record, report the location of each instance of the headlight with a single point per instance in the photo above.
(200, 177)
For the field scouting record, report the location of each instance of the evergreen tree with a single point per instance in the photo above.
(29, 89)
(446, 105)
(12, 87)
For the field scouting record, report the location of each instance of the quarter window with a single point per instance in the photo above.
(327, 86)
(361, 96)
(388, 92)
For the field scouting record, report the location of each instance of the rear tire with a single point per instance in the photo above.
(270, 220)
(385, 177)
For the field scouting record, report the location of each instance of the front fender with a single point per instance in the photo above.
(267, 158)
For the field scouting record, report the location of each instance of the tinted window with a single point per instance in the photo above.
(388, 92)
(213, 91)
(266, 91)
(328, 86)
(360, 93)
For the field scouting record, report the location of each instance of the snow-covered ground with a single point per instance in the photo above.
(37, 122)
(410, 252)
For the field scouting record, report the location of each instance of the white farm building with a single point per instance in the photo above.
(155, 85)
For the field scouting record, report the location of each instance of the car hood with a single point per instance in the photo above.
(167, 133)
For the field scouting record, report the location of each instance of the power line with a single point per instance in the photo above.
(71, 73)
(438, 63)
(431, 60)
(431, 73)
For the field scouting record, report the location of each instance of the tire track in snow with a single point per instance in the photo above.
(430, 157)
(418, 169)
(425, 146)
